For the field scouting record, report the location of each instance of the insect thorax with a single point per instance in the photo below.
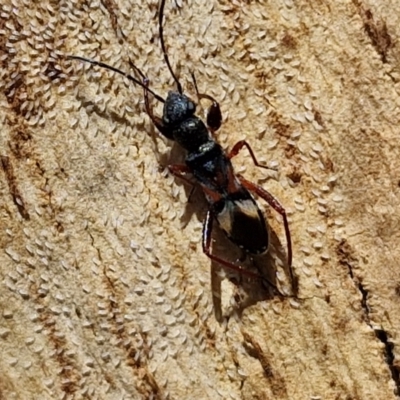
(209, 164)
(191, 133)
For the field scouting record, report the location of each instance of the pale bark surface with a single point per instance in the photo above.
(105, 292)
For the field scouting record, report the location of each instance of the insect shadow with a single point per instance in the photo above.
(229, 196)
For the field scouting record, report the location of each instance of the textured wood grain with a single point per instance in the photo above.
(105, 292)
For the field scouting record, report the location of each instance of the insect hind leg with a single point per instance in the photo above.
(206, 243)
(274, 203)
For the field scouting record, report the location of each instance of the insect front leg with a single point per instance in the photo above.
(157, 121)
(274, 203)
(214, 115)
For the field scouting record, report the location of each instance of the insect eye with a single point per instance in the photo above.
(191, 106)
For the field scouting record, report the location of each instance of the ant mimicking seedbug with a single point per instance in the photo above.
(229, 197)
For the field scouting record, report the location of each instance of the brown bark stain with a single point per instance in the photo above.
(376, 30)
(13, 186)
(254, 349)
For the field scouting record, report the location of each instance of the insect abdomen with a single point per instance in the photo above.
(244, 224)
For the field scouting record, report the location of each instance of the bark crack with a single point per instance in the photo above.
(348, 260)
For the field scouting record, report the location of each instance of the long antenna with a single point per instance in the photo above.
(166, 58)
(129, 77)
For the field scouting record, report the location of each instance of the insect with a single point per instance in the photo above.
(229, 195)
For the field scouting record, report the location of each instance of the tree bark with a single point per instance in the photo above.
(105, 290)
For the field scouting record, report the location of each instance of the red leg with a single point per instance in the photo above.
(238, 146)
(274, 203)
(214, 116)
